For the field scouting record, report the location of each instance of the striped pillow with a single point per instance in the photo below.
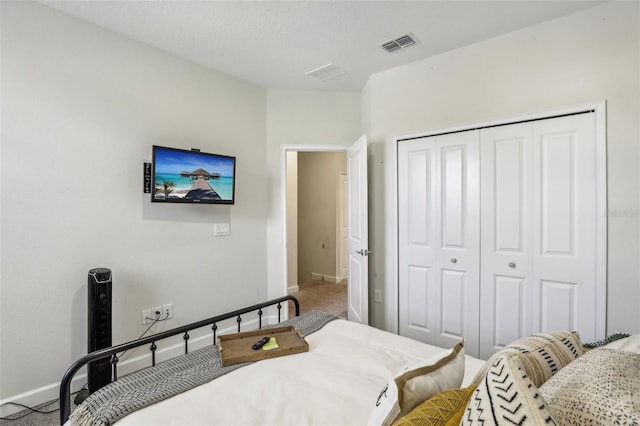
(506, 395)
(542, 355)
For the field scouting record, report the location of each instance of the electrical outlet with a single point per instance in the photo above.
(146, 313)
(164, 312)
(167, 311)
(156, 312)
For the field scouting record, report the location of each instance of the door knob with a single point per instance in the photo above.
(512, 265)
(454, 260)
(364, 252)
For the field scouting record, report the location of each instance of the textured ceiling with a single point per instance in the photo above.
(274, 43)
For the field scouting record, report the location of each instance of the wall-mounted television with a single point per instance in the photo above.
(191, 176)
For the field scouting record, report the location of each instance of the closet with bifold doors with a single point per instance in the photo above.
(499, 235)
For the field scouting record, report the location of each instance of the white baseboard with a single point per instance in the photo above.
(39, 396)
(323, 277)
(51, 392)
(293, 289)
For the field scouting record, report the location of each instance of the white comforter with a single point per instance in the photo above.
(336, 383)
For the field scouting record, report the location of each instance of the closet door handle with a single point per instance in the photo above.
(512, 265)
(454, 260)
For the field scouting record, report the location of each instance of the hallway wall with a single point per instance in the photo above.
(318, 191)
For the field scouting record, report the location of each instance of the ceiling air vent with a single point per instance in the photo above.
(326, 72)
(399, 43)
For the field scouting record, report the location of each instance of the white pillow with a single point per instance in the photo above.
(631, 344)
(417, 383)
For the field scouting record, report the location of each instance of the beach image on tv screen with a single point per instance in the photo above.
(192, 176)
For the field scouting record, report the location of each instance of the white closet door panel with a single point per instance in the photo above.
(564, 256)
(417, 248)
(438, 235)
(453, 287)
(508, 187)
(419, 202)
(458, 261)
(506, 243)
(452, 186)
(558, 300)
(418, 321)
(557, 183)
(508, 293)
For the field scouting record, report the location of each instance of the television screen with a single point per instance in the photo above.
(183, 176)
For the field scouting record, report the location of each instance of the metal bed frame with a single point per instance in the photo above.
(113, 351)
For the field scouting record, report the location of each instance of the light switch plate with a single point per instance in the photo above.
(220, 229)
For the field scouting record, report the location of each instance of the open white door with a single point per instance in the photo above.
(358, 232)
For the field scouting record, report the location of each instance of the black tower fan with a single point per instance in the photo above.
(99, 326)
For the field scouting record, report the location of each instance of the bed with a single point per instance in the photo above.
(338, 381)
(354, 374)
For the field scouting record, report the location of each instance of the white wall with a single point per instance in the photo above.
(582, 58)
(301, 118)
(81, 108)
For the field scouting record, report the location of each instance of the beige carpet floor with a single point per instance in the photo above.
(26, 418)
(322, 296)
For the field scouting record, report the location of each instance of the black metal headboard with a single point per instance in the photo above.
(113, 351)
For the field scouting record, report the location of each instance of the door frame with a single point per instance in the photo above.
(283, 190)
(599, 108)
(343, 222)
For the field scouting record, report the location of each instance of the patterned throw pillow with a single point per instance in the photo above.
(443, 409)
(600, 388)
(506, 396)
(542, 354)
(418, 383)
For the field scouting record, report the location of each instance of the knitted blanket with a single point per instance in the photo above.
(154, 384)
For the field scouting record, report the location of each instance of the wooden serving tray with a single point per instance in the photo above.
(236, 348)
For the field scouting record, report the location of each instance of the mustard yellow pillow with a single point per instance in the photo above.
(443, 409)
